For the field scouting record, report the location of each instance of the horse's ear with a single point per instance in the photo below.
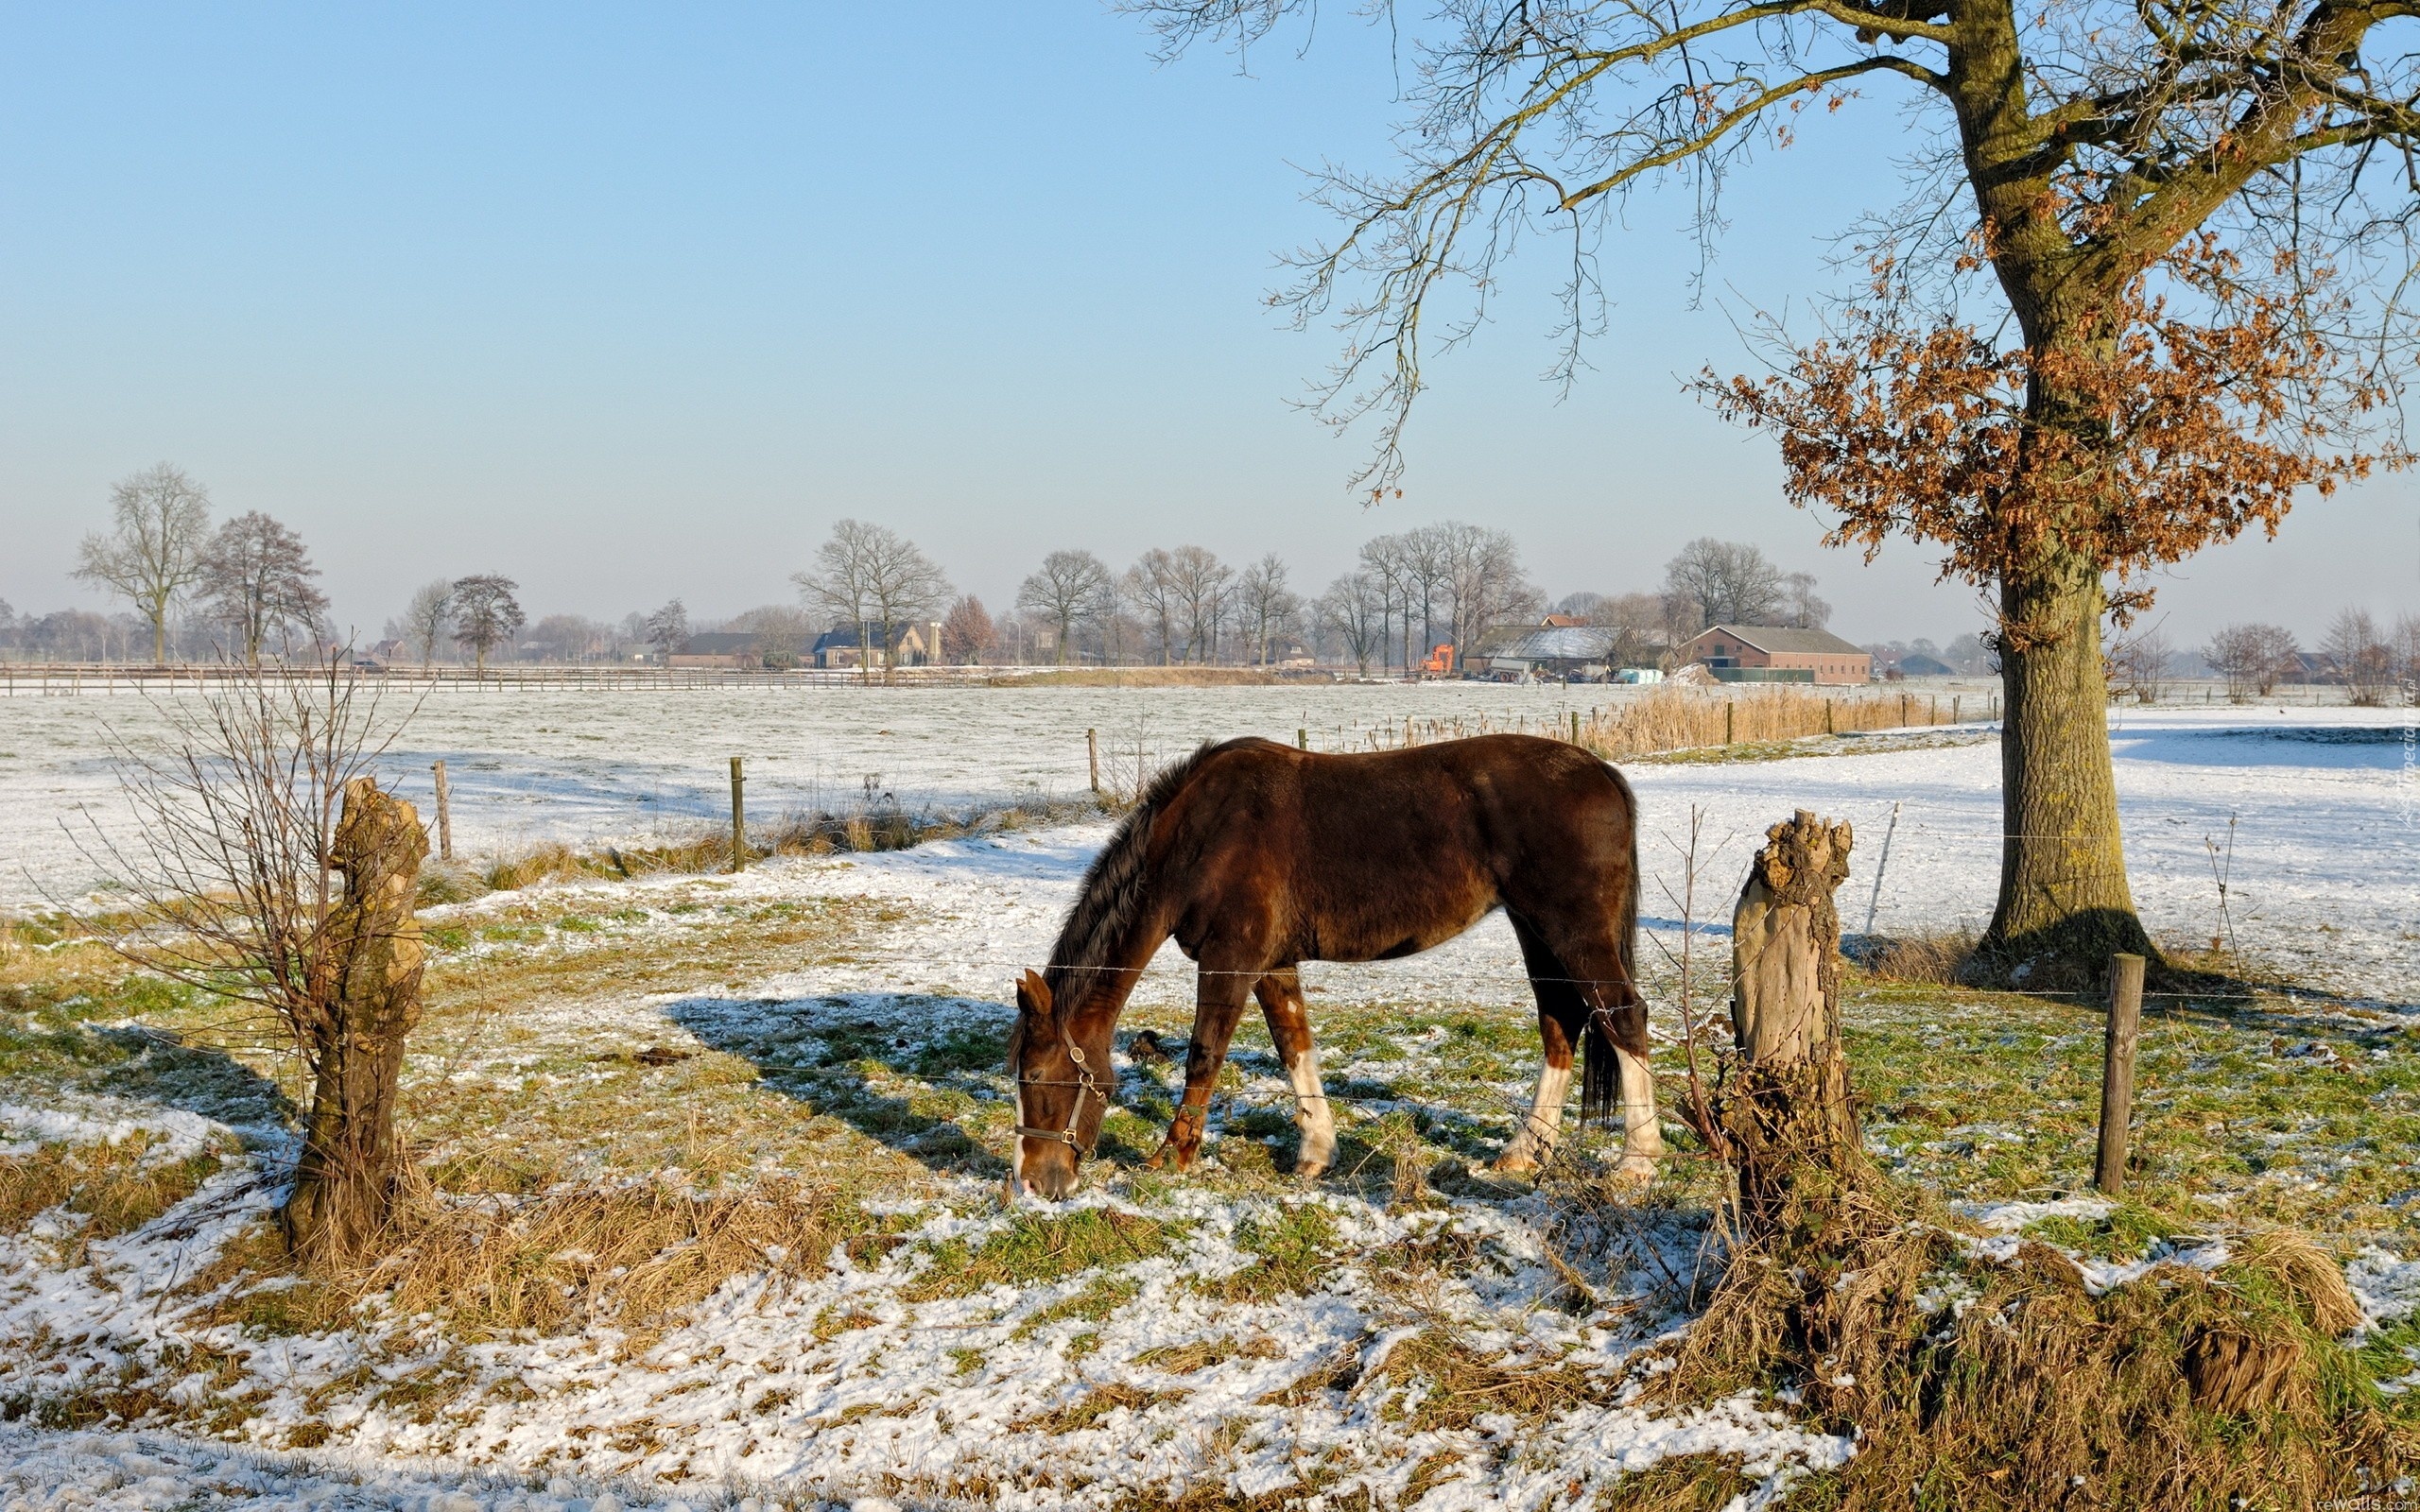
(1034, 994)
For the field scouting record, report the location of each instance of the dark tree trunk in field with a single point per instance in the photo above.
(2063, 896)
(344, 1183)
(1787, 1113)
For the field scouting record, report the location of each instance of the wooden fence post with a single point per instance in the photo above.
(1303, 739)
(1729, 709)
(444, 816)
(738, 820)
(1092, 756)
(2117, 1070)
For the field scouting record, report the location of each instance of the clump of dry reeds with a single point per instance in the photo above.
(1934, 958)
(1681, 718)
(1977, 1382)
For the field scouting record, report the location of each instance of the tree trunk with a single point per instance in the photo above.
(344, 1183)
(2063, 903)
(1787, 1114)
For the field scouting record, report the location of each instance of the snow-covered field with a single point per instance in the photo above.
(867, 1386)
(2323, 878)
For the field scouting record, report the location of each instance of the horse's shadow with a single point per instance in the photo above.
(926, 1074)
(144, 1064)
(908, 1069)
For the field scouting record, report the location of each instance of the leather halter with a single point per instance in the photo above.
(1083, 1082)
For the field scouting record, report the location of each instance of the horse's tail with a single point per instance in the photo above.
(1599, 1068)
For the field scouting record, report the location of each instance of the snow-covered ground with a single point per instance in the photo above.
(757, 1394)
(2323, 875)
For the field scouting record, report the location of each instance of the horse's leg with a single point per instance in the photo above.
(1562, 1015)
(1289, 1028)
(1642, 1130)
(1219, 995)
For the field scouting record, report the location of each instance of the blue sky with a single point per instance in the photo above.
(629, 303)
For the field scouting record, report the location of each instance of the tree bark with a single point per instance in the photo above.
(344, 1183)
(2065, 905)
(1787, 1113)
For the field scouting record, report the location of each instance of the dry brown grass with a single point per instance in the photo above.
(1934, 958)
(633, 1256)
(115, 1188)
(2185, 1389)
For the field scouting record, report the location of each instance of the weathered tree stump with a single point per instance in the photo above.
(344, 1184)
(1787, 1110)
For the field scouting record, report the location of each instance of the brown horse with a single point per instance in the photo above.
(1256, 856)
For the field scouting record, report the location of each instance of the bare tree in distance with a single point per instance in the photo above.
(1638, 623)
(257, 580)
(968, 636)
(667, 629)
(1802, 609)
(2138, 665)
(486, 615)
(870, 570)
(160, 522)
(1068, 592)
(1485, 581)
(1388, 564)
(2360, 657)
(1355, 606)
(2251, 658)
(2405, 642)
(2149, 281)
(429, 618)
(267, 868)
(1264, 604)
(1151, 585)
(1204, 585)
(1727, 583)
(783, 632)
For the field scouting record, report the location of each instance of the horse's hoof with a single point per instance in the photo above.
(1638, 1170)
(1509, 1164)
(1311, 1171)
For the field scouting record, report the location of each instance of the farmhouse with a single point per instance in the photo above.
(726, 649)
(1769, 653)
(903, 644)
(1550, 651)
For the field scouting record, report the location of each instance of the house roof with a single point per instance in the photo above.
(1772, 638)
(1918, 664)
(1568, 642)
(847, 636)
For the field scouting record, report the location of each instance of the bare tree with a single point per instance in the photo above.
(1355, 606)
(1639, 625)
(1151, 585)
(2405, 642)
(968, 636)
(429, 618)
(486, 615)
(2138, 665)
(257, 580)
(783, 632)
(1801, 608)
(667, 630)
(1728, 582)
(1267, 606)
(2360, 656)
(268, 867)
(870, 570)
(1483, 579)
(2250, 657)
(1203, 587)
(1070, 590)
(1388, 564)
(160, 523)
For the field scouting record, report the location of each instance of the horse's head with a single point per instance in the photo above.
(1063, 1083)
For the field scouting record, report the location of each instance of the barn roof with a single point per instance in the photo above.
(1771, 638)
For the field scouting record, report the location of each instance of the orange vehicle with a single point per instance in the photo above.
(1441, 661)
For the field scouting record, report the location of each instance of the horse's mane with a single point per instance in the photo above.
(1113, 886)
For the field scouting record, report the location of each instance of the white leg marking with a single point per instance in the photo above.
(1533, 1141)
(1642, 1133)
(1311, 1113)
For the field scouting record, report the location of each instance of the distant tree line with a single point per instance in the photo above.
(246, 587)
